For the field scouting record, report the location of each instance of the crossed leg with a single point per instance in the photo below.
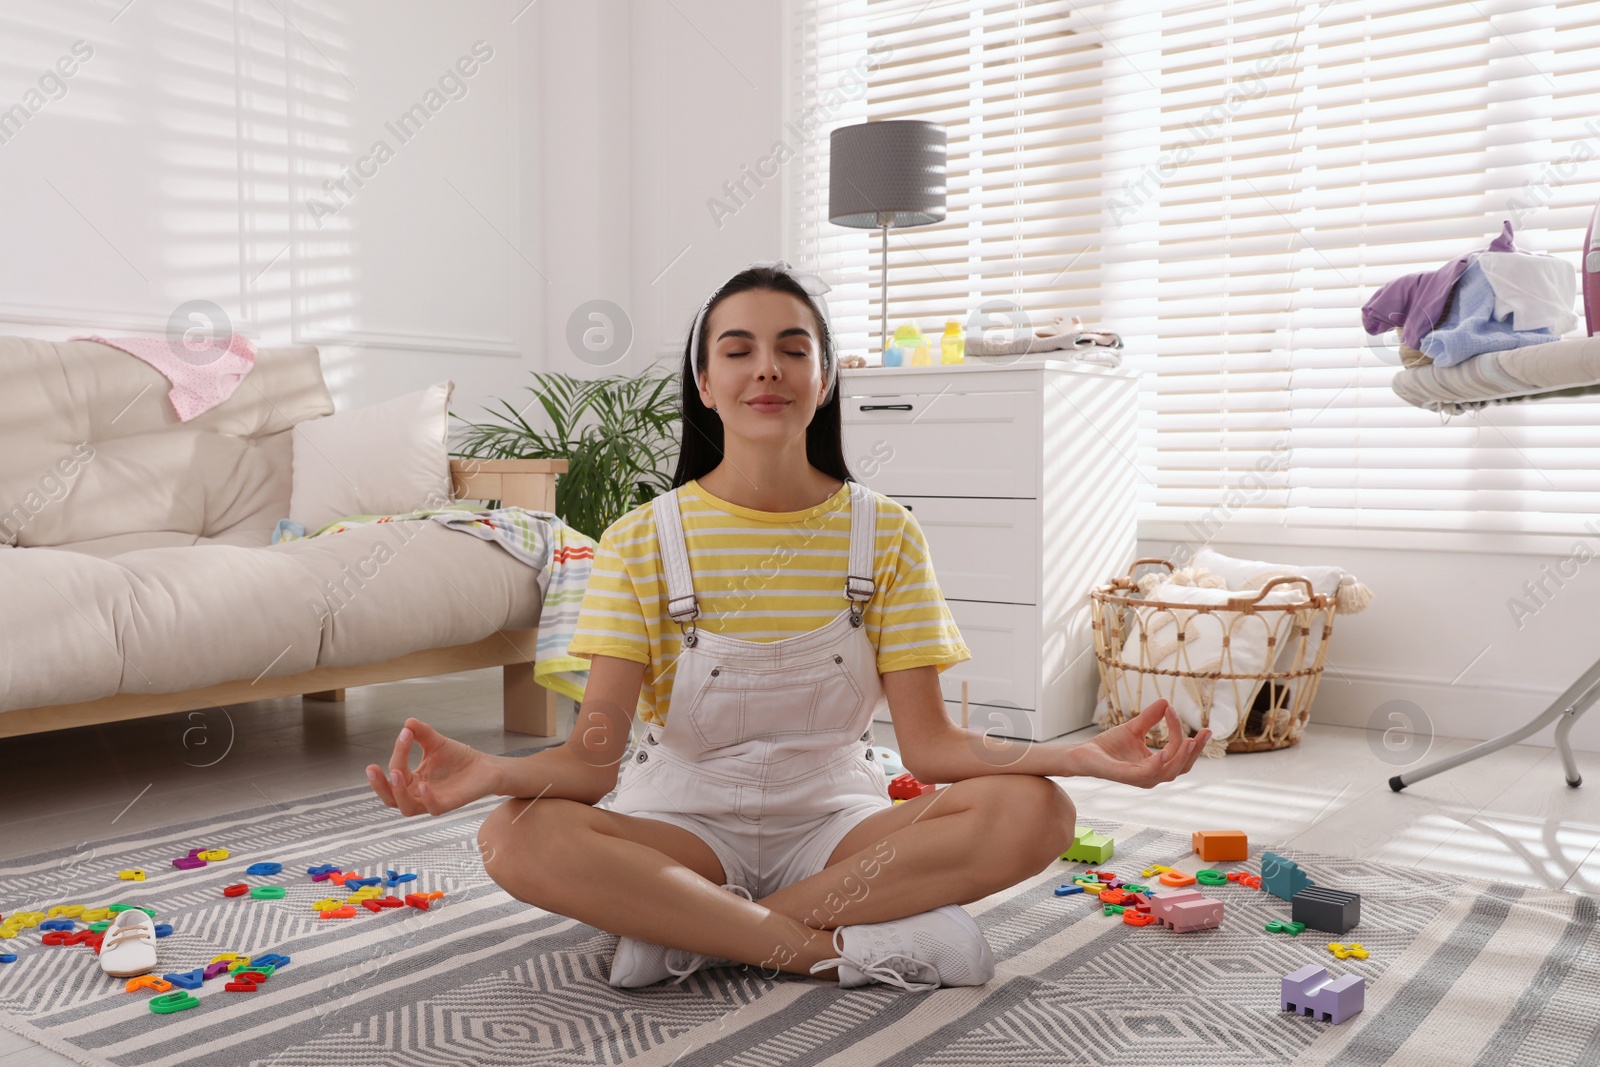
(656, 882)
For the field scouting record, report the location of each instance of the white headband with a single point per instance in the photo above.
(814, 287)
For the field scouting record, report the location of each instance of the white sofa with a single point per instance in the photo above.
(137, 575)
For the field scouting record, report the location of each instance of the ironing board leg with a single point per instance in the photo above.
(1564, 712)
(1568, 763)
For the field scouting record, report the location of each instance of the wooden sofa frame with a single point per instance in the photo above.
(529, 708)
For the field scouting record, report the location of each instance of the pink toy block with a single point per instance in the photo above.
(1309, 991)
(1185, 909)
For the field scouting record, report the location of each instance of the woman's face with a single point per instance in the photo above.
(763, 364)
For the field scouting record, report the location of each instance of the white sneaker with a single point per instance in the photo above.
(922, 952)
(640, 963)
(129, 947)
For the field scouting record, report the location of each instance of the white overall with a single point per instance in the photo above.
(767, 752)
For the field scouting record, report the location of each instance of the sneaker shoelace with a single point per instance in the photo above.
(682, 962)
(118, 934)
(909, 979)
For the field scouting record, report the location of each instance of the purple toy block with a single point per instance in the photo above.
(1186, 909)
(1310, 991)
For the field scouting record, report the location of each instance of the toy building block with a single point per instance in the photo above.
(1215, 846)
(1353, 950)
(1282, 878)
(1323, 908)
(906, 787)
(1186, 909)
(1310, 991)
(1090, 847)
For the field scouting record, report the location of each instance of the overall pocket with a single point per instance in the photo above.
(737, 704)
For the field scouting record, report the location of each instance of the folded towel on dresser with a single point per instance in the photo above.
(1096, 354)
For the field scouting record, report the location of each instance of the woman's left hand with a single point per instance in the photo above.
(1121, 755)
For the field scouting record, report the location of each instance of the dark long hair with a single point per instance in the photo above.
(701, 447)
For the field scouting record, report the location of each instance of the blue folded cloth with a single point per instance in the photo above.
(1470, 329)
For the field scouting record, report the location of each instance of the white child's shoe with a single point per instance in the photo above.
(640, 963)
(918, 953)
(129, 946)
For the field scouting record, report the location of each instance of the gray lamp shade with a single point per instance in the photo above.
(892, 170)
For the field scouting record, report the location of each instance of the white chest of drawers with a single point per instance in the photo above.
(1023, 480)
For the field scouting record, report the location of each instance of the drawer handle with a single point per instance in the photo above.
(885, 407)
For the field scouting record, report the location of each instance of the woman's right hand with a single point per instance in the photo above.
(451, 774)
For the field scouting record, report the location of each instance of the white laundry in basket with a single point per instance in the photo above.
(1200, 651)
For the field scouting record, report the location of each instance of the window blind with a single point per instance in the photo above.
(1225, 184)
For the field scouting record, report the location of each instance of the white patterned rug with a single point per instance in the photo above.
(1460, 972)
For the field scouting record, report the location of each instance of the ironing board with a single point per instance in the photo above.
(1568, 367)
(1564, 712)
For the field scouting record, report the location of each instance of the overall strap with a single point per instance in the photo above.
(858, 584)
(681, 603)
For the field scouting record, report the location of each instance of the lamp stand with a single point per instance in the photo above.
(883, 285)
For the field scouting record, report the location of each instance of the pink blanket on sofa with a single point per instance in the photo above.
(202, 377)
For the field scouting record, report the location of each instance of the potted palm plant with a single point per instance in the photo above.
(618, 434)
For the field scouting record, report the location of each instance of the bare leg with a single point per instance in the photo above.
(638, 878)
(659, 883)
(954, 846)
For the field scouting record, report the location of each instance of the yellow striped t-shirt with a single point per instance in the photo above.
(761, 576)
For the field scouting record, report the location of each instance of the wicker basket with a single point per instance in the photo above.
(1274, 705)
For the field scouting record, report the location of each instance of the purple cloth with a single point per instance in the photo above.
(1415, 302)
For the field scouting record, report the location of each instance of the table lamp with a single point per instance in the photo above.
(883, 174)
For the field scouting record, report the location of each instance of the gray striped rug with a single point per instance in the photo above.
(1461, 972)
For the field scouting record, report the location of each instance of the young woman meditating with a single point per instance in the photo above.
(754, 617)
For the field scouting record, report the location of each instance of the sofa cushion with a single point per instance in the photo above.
(168, 619)
(90, 447)
(383, 459)
(60, 645)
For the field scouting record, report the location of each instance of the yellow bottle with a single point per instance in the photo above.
(921, 356)
(953, 345)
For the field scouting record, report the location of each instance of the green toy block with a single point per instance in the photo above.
(1211, 877)
(1115, 909)
(1278, 926)
(1090, 847)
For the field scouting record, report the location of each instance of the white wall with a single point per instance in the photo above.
(186, 157)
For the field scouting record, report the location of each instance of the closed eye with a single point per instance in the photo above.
(798, 355)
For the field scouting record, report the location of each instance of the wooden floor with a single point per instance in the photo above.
(1509, 817)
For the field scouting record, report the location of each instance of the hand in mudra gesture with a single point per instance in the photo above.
(452, 773)
(1121, 755)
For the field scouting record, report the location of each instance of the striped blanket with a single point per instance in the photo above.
(561, 555)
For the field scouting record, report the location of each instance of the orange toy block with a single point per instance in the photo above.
(1214, 846)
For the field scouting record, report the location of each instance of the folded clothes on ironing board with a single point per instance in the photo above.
(1469, 327)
